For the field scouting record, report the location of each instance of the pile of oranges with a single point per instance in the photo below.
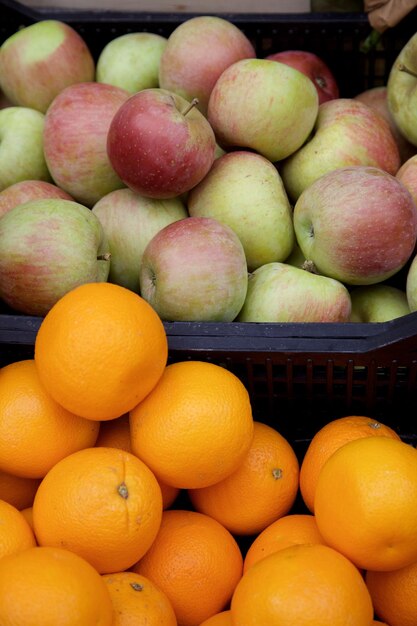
(137, 492)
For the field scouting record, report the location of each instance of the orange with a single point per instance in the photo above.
(137, 601)
(17, 490)
(116, 434)
(104, 504)
(35, 431)
(366, 502)
(169, 494)
(196, 425)
(196, 562)
(220, 619)
(262, 489)
(16, 534)
(28, 515)
(329, 439)
(378, 623)
(303, 585)
(52, 587)
(289, 530)
(100, 350)
(394, 595)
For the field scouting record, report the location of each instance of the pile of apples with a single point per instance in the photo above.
(220, 186)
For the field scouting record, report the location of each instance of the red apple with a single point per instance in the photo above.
(75, 138)
(39, 61)
(376, 98)
(197, 52)
(195, 270)
(356, 224)
(407, 174)
(159, 144)
(27, 190)
(312, 66)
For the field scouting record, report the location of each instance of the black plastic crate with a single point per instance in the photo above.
(337, 37)
(299, 376)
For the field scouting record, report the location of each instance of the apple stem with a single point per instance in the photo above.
(404, 68)
(191, 105)
(104, 257)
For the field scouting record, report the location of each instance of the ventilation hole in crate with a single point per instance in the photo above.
(411, 379)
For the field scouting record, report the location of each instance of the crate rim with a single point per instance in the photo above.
(105, 15)
(354, 338)
(395, 338)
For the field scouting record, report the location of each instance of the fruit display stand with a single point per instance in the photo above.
(298, 375)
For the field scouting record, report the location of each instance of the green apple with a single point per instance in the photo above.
(218, 152)
(278, 292)
(347, 133)
(131, 61)
(129, 222)
(411, 285)
(245, 191)
(296, 257)
(402, 90)
(48, 247)
(263, 105)
(21, 146)
(378, 303)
